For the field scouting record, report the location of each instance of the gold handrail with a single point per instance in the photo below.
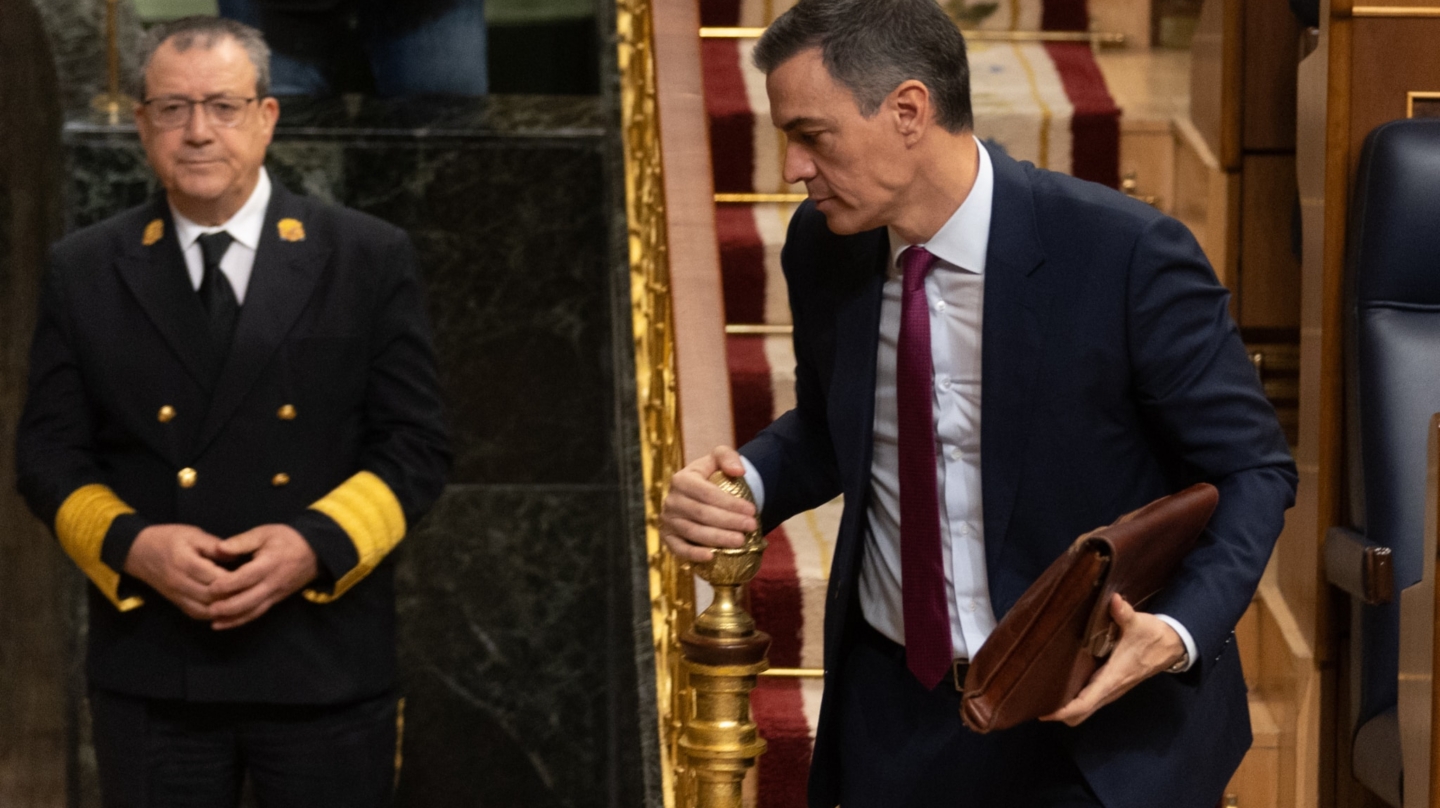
(672, 600)
(1093, 37)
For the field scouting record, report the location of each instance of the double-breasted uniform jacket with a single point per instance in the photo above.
(1111, 374)
(324, 414)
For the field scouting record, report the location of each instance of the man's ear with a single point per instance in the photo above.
(910, 105)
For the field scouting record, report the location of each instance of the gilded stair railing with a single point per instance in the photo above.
(706, 733)
(672, 596)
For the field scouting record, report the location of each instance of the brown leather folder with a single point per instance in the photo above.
(1060, 630)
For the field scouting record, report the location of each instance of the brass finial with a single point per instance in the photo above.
(723, 655)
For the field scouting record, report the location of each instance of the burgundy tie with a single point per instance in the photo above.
(927, 620)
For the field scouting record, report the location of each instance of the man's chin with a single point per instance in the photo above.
(844, 223)
(203, 193)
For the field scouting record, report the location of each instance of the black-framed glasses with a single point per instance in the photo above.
(174, 111)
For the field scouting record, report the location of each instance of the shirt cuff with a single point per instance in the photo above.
(757, 485)
(1190, 652)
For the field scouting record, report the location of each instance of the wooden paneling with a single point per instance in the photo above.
(1207, 200)
(704, 387)
(1271, 50)
(1392, 57)
(1257, 783)
(1269, 270)
(1215, 72)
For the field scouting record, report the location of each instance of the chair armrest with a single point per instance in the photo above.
(1359, 566)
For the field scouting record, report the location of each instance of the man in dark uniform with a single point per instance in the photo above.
(233, 418)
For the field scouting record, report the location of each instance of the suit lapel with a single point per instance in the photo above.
(1017, 307)
(157, 277)
(281, 284)
(852, 397)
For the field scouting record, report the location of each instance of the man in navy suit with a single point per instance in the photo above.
(991, 360)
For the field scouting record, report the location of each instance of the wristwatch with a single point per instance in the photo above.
(1180, 664)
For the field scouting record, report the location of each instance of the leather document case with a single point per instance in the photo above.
(1057, 634)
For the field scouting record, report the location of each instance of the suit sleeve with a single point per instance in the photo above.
(56, 471)
(794, 455)
(406, 454)
(1194, 382)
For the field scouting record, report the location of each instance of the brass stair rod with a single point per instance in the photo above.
(723, 654)
(112, 101)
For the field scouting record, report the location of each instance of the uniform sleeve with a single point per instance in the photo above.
(406, 455)
(56, 471)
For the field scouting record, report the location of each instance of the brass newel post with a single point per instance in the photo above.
(723, 655)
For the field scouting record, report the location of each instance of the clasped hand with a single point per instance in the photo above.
(186, 566)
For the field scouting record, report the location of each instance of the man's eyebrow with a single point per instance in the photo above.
(796, 123)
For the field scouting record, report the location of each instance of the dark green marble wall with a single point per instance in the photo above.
(521, 641)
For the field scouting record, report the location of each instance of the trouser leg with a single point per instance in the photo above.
(905, 746)
(322, 757)
(158, 754)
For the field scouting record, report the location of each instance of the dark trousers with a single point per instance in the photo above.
(170, 754)
(902, 745)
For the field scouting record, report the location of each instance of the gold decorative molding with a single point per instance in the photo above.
(758, 199)
(1396, 12)
(1093, 37)
(1428, 103)
(672, 599)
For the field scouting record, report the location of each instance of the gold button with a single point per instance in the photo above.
(287, 412)
(187, 478)
(280, 479)
(167, 414)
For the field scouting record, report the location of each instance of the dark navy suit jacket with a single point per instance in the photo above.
(1112, 374)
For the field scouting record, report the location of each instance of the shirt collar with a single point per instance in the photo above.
(964, 240)
(245, 226)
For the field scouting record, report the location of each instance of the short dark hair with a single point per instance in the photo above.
(873, 46)
(205, 31)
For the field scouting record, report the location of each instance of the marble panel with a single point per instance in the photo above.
(517, 651)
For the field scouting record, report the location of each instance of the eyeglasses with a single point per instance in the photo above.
(173, 111)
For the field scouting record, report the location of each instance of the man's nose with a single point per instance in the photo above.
(197, 129)
(798, 165)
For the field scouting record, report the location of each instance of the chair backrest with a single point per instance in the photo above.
(1394, 375)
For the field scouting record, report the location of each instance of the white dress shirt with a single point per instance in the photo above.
(955, 290)
(245, 226)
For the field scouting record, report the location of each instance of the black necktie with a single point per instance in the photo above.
(216, 294)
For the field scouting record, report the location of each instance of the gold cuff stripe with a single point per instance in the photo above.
(81, 524)
(367, 510)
